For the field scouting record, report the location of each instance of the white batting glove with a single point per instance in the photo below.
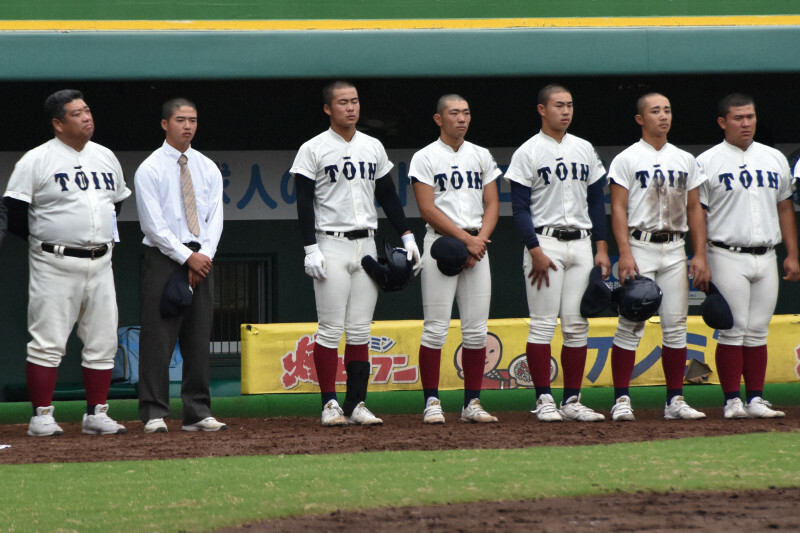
(413, 252)
(314, 262)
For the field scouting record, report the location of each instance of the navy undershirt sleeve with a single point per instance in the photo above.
(305, 208)
(597, 209)
(521, 212)
(17, 217)
(386, 195)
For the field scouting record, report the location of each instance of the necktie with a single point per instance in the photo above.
(187, 191)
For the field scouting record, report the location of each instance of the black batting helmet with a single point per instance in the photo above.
(392, 273)
(638, 299)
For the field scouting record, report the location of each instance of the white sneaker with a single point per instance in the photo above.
(362, 415)
(758, 407)
(332, 414)
(207, 424)
(100, 423)
(734, 409)
(622, 410)
(433, 413)
(546, 409)
(575, 411)
(43, 424)
(155, 425)
(678, 409)
(473, 412)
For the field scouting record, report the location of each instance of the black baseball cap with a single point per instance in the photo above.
(177, 294)
(450, 255)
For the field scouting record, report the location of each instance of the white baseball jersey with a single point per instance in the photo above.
(658, 182)
(457, 178)
(345, 174)
(71, 194)
(742, 192)
(558, 175)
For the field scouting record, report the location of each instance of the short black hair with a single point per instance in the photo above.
(169, 107)
(54, 105)
(642, 99)
(327, 91)
(442, 103)
(734, 100)
(548, 90)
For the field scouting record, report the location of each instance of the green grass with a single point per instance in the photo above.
(206, 494)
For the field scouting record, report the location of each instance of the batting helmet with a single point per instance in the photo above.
(715, 309)
(392, 273)
(638, 299)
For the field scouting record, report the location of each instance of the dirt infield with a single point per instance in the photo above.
(751, 510)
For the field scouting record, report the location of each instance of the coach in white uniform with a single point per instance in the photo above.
(340, 174)
(179, 199)
(62, 197)
(654, 200)
(455, 186)
(557, 200)
(749, 200)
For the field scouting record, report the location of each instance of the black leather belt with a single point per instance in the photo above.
(473, 232)
(563, 234)
(350, 235)
(193, 246)
(85, 253)
(659, 237)
(755, 250)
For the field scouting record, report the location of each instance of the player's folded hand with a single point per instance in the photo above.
(413, 252)
(314, 262)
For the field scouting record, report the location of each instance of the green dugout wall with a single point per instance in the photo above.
(256, 71)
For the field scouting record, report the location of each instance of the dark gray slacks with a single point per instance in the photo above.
(157, 341)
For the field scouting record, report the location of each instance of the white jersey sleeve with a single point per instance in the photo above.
(457, 178)
(558, 174)
(742, 193)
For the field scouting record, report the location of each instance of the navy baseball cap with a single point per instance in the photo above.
(450, 255)
(177, 295)
(597, 296)
(715, 309)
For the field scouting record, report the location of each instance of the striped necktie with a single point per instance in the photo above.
(187, 192)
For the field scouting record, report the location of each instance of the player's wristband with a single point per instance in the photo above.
(311, 248)
(408, 237)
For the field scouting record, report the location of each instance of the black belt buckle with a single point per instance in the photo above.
(759, 250)
(567, 234)
(351, 235)
(100, 251)
(660, 237)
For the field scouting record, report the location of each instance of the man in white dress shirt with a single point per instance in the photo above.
(179, 199)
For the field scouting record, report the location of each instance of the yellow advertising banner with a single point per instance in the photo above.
(279, 357)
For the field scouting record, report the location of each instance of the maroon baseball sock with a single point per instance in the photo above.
(730, 362)
(622, 362)
(573, 363)
(474, 361)
(41, 384)
(430, 360)
(96, 383)
(326, 361)
(356, 352)
(673, 361)
(538, 356)
(754, 368)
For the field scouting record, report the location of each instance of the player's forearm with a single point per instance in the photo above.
(491, 209)
(697, 229)
(521, 212)
(386, 195)
(788, 225)
(597, 209)
(619, 218)
(305, 209)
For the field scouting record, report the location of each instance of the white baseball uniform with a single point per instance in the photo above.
(71, 197)
(344, 200)
(458, 179)
(558, 174)
(658, 182)
(742, 193)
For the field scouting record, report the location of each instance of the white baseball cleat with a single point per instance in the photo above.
(155, 425)
(758, 407)
(575, 411)
(473, 412)
(546, 409)
(433, 413)
(734, 409)
(100, 423)
(678, 409)
(207, 424)
(363, 416)
(622, 410)
(43, 424)
(332, 415)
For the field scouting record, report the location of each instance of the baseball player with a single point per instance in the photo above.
(749, 200)
(654, 199)
(179, 201)
(558, 203)
(64, 196)
(339, 175)
(455, 186)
